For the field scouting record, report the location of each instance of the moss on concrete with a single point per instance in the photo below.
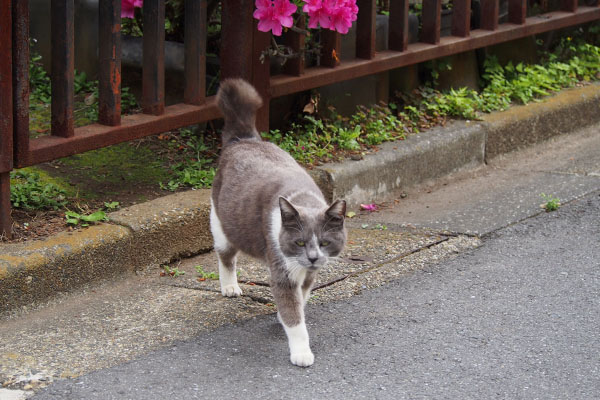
(121, 163)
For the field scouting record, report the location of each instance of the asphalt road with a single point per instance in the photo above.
(517, 318)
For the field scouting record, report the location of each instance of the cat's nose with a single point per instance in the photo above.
(313, 259)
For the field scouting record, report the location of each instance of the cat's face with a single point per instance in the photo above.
(309, 237)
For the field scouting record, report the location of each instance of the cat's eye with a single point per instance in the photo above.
(300, 243)
(324, 243)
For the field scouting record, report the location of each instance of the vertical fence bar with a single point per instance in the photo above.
(331, 44)
(20, 61)
(109, 36)
(297, 42)
(489, 14)
(153, 71)
(5, 206)
(568, 5)
(237, 27)
(195, 51)
(6, 112)
(6, 81)
(261, 75)
(432, 21)
(517, 11)
(365, 29)
(461, 18)
(398, 25)
(62, 34)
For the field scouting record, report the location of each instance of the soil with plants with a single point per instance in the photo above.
(77, 191)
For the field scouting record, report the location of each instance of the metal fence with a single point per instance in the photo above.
(240, 53)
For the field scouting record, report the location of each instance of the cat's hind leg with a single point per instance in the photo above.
(226, 256)
(228, 274)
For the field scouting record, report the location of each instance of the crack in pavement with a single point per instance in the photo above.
(379, 265)
(263, 300)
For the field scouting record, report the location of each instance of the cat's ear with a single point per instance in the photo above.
(336, 213)
(289, 215)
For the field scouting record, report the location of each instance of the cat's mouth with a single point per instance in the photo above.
(315, 266)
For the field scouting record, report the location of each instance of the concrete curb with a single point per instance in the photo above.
(527, 125)
(141, 236)
(177, 225)
(419, 158)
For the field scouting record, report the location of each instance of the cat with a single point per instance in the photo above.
(264, 204)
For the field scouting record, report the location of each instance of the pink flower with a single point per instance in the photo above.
(316, 13)
(336, 15)
(343, 16)
(127, 7)
(272, 15)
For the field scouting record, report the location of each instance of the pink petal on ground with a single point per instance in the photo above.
(368, 207)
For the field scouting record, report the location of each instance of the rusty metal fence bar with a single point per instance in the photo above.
(62, 71)
(109, 75)
(20, 61)
(6, 118)
(461, 18)
(195, 52)
(242, 46)
(153, 70)
(398, 30)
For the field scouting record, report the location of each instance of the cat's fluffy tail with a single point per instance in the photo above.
(238, 100)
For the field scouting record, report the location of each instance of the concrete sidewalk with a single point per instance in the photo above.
(116, 320)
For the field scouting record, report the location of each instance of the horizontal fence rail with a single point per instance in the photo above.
(242, 48)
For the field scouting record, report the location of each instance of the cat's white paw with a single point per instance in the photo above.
(303, 359)
(231, 290)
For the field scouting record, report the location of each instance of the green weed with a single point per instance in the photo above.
(112, 205)
(206, 275)
(173, 272)
(551, 203)
(196, 169)
(28, 190)
(74, 219)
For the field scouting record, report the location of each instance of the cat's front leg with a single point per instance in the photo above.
(290, 305)
(307, 286)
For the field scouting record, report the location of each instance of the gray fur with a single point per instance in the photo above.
(256, 179)
(238, 100)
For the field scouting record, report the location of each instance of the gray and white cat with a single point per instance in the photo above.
(265, 205)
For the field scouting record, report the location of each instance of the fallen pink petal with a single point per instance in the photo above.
(368, 207)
